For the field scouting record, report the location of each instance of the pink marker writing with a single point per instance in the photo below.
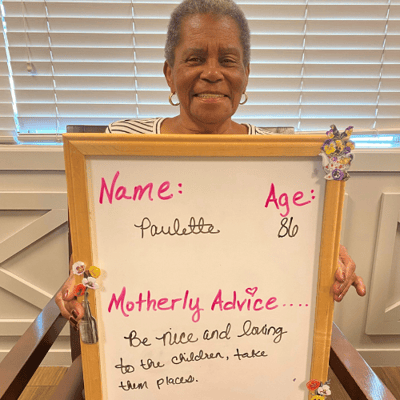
(146, 302)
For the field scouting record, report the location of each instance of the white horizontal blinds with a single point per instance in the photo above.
(347, 53)
(7, 123)
(325, 69)
(84, 56)
(313, 62)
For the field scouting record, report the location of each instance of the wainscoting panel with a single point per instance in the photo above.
(33, 244)
(383, 316)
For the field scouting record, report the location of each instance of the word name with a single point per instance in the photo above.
(122, 193)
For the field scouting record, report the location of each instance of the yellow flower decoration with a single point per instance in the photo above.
(339, 145)
(344, 161)
(350, 144)
(318, 397)
(349, 131)
(329, 148)
(95, 272)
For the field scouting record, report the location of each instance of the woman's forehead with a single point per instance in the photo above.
(234, 50)
(199, 29)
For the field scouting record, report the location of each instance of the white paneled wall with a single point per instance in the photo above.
(34, 248)
(33, 241)
(372, 236)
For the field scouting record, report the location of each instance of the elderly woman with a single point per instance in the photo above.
(207, 67)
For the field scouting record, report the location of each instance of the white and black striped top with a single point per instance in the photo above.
(153, 126)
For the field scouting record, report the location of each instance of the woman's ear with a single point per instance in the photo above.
(168, 76)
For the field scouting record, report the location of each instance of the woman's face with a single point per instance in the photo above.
(208, 73)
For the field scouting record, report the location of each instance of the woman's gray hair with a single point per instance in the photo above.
(214, 7)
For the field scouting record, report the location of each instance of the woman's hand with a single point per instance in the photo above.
(69, 306)
(345, 276)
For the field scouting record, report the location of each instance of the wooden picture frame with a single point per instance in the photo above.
(79, 148)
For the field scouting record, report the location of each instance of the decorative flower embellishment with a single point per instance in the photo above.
(337, 175)
(336, 154)
(79, 290)
(78, 268)
(313, 385)
(329, 148)
(318, 389)
(89, 281)
(324, 390)
(95, 272)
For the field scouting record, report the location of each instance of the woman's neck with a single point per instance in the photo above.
(177, 125)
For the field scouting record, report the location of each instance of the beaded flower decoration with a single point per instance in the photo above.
(336, 154)
(318, 389)
(89, 277)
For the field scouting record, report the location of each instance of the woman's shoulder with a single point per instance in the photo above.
(143, 126)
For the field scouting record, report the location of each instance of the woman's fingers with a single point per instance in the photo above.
(67, 291)
(340, 289)
(75, 311)
(345, 277)
(360, 286)
(69, 306)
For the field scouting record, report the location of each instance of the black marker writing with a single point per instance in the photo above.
(285, 230)
(134, 341)
(125, 369)
(169, 338)
(194, 228)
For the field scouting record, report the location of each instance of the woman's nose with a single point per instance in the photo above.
(212, 71)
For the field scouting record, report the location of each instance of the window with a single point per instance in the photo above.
(314, 63)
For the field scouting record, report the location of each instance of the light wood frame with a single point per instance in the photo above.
(78, 147)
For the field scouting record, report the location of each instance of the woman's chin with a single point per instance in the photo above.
(211, 114)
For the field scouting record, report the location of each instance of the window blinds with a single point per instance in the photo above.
(313, 63)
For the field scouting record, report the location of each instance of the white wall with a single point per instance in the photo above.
(34, 248)
(373, 174)
(33, 241)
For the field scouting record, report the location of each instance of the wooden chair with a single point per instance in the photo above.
(86, 128)
(17, 368)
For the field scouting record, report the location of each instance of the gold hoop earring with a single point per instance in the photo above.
(171, 102)
(245, 100)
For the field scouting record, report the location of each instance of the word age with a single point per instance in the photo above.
(283, 200)
(114, 192)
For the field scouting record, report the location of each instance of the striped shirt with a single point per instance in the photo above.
(153, 126)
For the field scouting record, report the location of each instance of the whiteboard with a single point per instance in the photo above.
(209, 274)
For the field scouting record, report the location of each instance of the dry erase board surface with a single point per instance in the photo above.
(210, 274)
